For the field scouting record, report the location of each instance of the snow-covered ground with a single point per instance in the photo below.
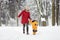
(44, 33)
(15, 33)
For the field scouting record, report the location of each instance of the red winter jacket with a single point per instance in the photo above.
(25, 16)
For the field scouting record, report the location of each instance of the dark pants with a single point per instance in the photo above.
(26, 28)
(34, 30)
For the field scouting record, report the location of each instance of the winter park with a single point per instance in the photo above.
(29, 19)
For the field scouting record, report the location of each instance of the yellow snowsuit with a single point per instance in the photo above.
(34, 26)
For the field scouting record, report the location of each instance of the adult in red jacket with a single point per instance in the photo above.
(25, 19)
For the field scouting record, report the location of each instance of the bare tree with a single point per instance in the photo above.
(57, 10)
(0, 13)
(53, 12)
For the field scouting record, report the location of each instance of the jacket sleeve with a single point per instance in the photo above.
(29, 16)
(20, 14)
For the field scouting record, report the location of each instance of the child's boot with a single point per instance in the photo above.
(33, 33)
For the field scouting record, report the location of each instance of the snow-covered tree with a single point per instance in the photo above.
(0, 13)
(57, 11)
(53, 12)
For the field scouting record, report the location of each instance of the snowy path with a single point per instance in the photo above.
(15, 33)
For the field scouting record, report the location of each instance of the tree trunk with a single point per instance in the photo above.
(0, 14)
(0, 18)
(57, 10)
(17, 12)
(53, 12)
(46, 14)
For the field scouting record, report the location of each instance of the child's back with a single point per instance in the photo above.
(34, 24)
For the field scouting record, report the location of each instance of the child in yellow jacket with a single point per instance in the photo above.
(34, 24)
